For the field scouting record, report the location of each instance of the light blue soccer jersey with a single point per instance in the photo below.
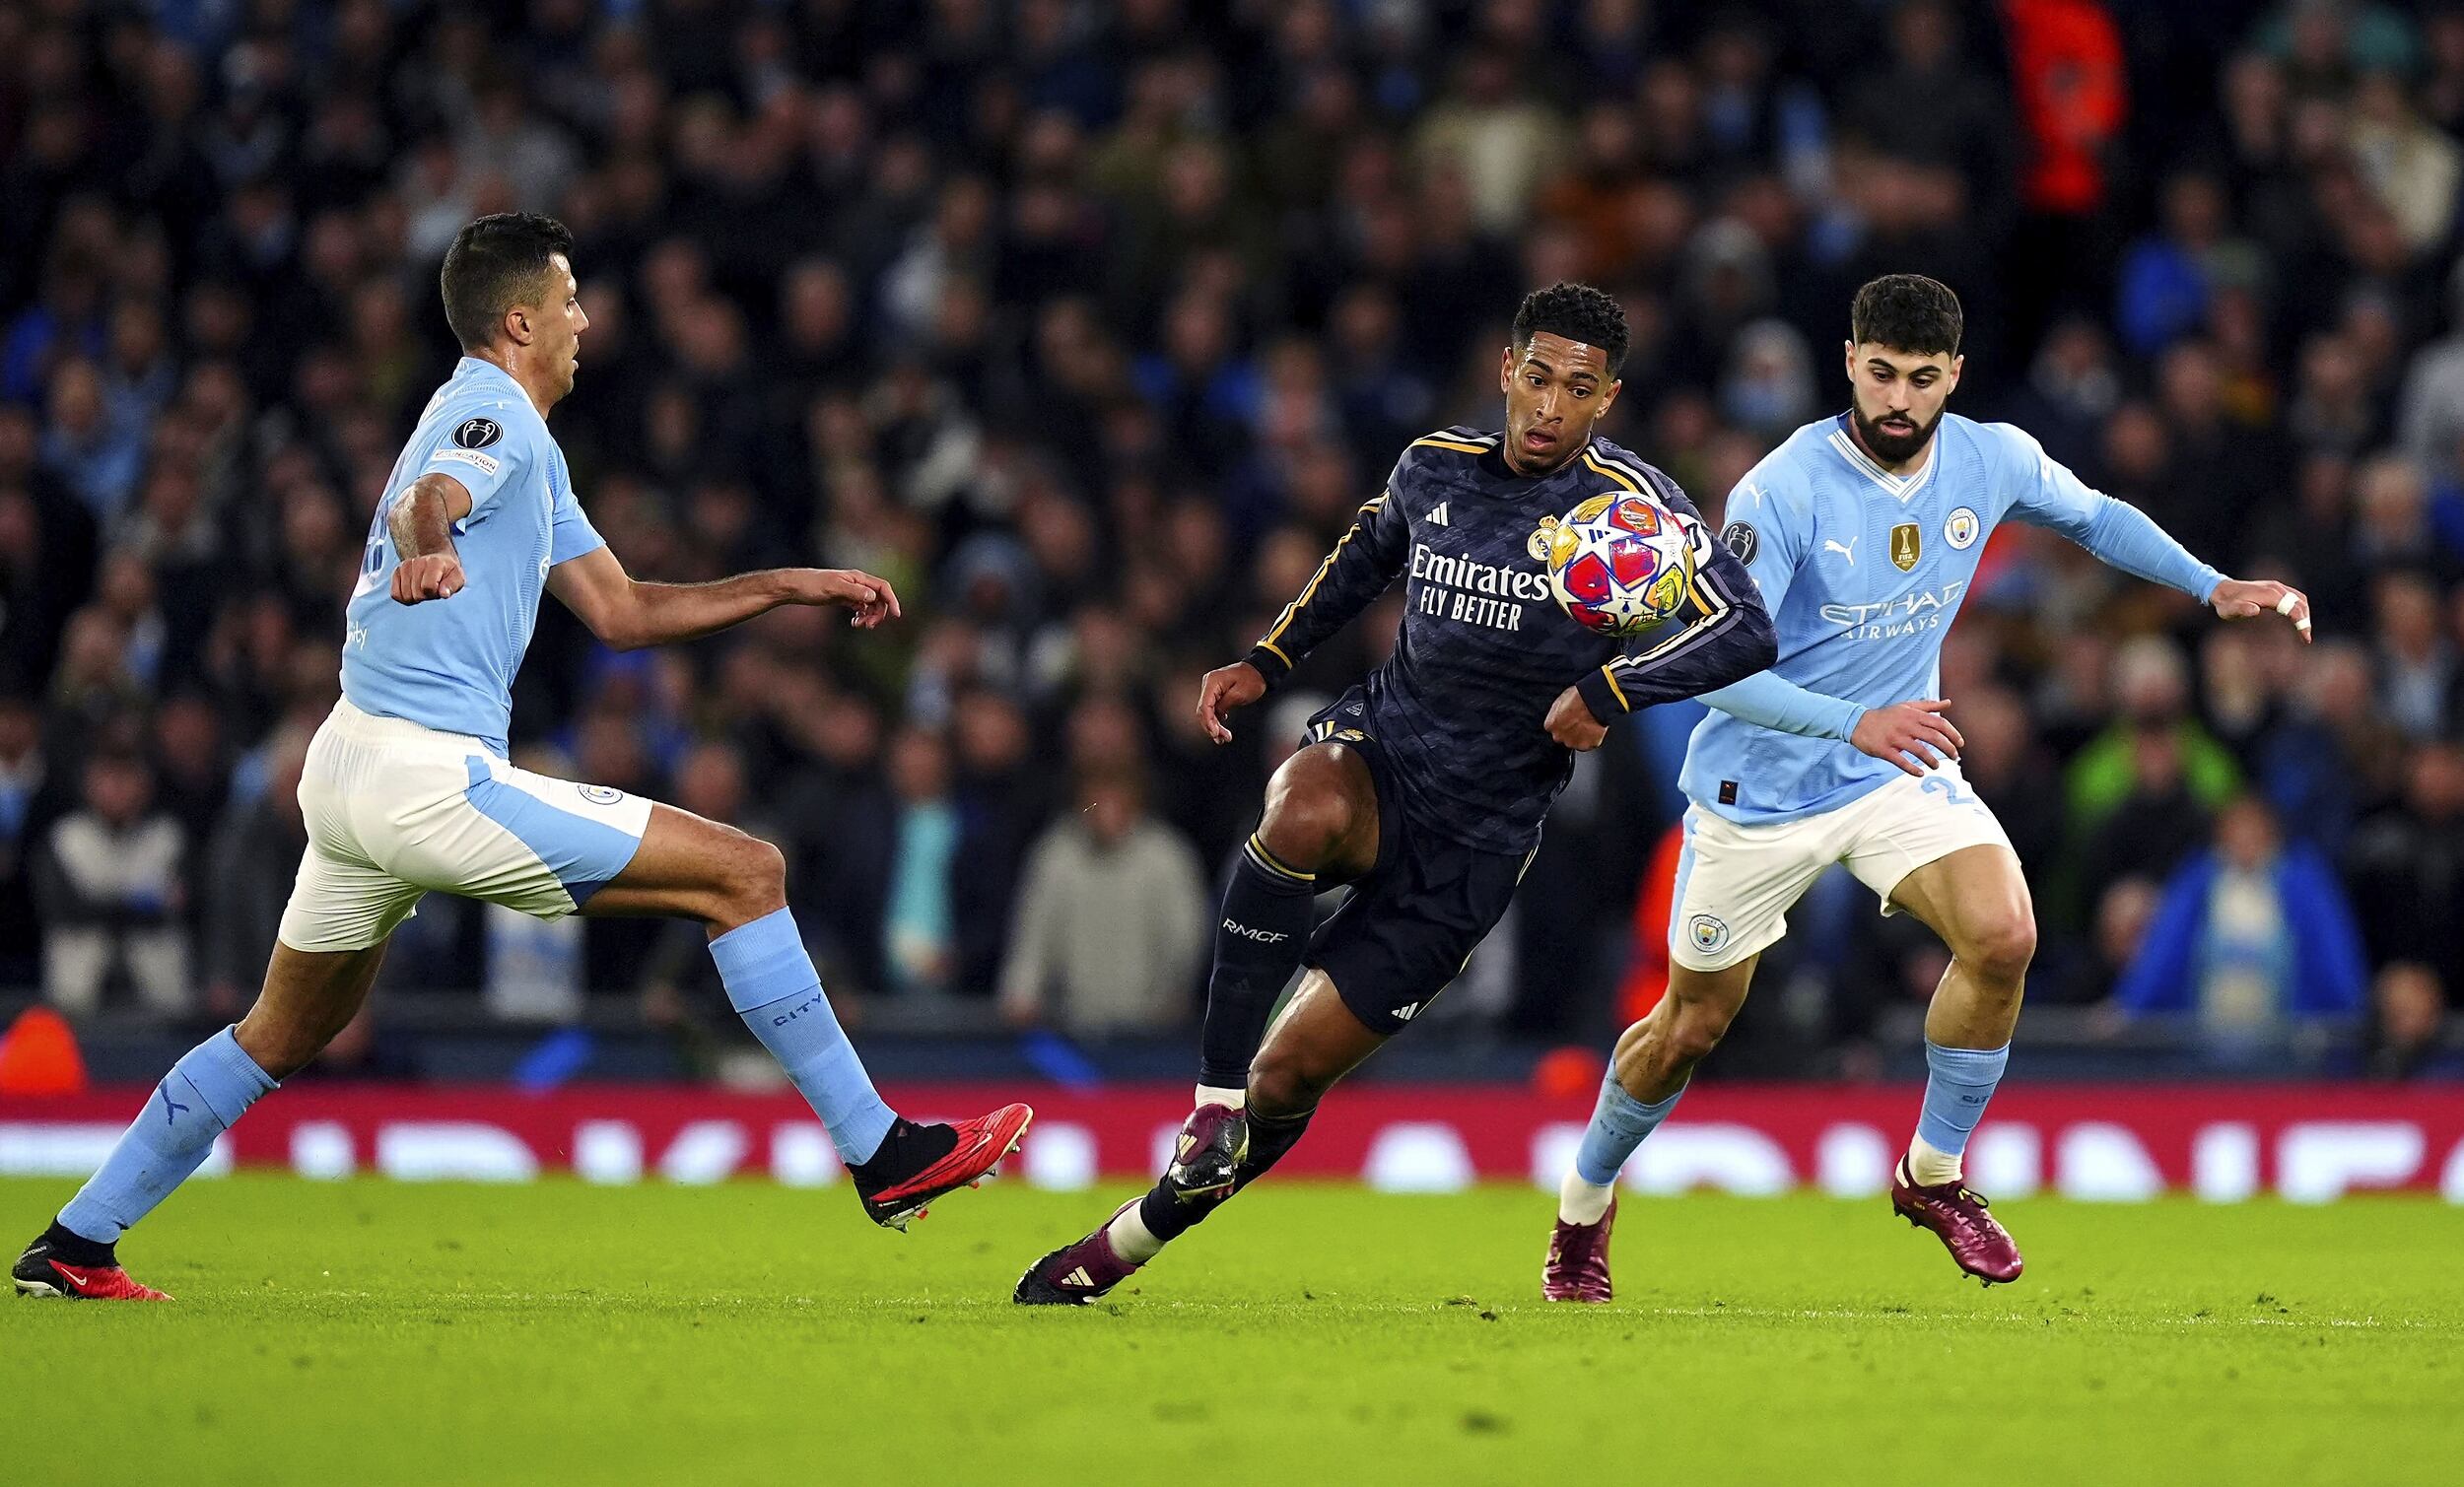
(450, 663)
(1862, 571)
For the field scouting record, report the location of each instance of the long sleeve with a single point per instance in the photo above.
(1364, 565)
(2049, 495)
(1730, 637)
(1774, 702)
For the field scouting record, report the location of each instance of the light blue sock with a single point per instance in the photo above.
(1957, 1083)
(210, 1088)
(772, 985)
(1619, 1124)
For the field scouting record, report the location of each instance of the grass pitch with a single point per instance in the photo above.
(369, 1333)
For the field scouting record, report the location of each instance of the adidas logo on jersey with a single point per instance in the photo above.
(1409, 1010)
(1437, 515)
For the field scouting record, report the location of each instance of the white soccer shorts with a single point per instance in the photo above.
(1734, 884)
(394, 809)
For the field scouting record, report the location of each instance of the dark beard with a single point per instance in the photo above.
(1891, 448)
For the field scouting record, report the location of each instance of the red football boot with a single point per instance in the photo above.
(1957, 1216)
(898, 1197)
(39, 1272)
(1577, 1267)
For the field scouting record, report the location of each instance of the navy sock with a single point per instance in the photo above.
(1167, 1216)
(1259, 938)
(1269, 1137)
(211, 1085)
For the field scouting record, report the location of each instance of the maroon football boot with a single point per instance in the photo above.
(1076, 1274)
(1577, 1267)
(1958, 1218)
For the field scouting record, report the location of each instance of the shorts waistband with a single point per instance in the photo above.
(349, 721)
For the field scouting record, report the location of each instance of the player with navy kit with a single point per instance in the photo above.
(1425, 787)
(407, 787)
(1863, 533)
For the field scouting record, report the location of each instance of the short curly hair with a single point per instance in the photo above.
(1906, 312)
(1578, 313)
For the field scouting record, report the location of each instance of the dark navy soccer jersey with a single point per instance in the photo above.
(1461, 709)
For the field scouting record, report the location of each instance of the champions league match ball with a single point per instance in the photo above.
(1621, 564)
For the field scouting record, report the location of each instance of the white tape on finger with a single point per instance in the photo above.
(2286, 605)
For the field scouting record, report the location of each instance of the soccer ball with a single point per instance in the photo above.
(1621, 564)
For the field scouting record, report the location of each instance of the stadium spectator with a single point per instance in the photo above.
(2252, 935)
(1111, 924)
(2408, 1009)
(1089, 328)
(109, 890)
(2405, 868)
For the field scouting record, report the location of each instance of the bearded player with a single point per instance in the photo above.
(1863, 533)
(408, 789)
(1424, 787)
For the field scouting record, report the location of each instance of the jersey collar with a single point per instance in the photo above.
(480, 369)
(1898, 486)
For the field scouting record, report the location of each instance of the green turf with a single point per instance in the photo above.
(360, 1333)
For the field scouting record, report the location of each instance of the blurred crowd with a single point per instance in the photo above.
(1089, 324)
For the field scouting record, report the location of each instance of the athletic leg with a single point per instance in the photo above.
(735, 886)
(1320, 827)
(1314, 1043)
(1976, 899)
(306, 998)
(1967, 887)
(1653, 1062)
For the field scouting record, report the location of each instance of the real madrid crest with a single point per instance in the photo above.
(1538, 546)
(1906, 542)
(1959, 530)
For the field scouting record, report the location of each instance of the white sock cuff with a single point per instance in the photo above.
(1582, 1202)
(1208, 1094)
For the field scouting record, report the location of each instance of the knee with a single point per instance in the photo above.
(280, 1046)
(1694, 1032)
(1282, 1085)
(1310, 812)
(753, 879)
(2000, 952)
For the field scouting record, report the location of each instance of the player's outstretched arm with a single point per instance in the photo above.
(421, 524)
(2127, 538)
(629, 614)
(1364, 565)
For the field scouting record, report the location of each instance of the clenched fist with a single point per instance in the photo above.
(1572, 723)
(437, 576)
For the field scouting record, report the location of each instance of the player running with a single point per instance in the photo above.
(408, 789)
(1863, 533)
(1424, 787)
